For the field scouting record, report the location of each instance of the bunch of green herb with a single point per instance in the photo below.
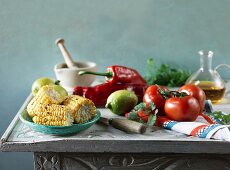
(220, 117)
(165, 74)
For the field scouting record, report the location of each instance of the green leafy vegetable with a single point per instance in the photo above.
(142, 110)
(151, 120)
(133, 116)
(165, 74)
(222, 117)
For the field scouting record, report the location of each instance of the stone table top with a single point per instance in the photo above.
(99, 138)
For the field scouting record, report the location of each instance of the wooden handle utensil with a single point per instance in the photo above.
(126, 125)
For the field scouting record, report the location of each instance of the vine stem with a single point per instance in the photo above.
(167, 94)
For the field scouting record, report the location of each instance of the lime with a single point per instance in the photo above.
(121, 101)
(37, 85)
(60, 90)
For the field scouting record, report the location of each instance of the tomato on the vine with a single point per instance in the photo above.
(196, 92)
(152, 94)
(182, 105)
(184, 108)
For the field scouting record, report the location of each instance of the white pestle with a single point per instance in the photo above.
(66, 55)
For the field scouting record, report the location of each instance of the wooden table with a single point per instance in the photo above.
(102, 147)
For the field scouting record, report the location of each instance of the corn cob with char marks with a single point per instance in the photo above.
(48, 107)
(45, 108)
(82, 108)
(53, 115)
(46, 95)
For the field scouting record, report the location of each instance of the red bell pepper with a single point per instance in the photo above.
(119, 74)
(99, 93)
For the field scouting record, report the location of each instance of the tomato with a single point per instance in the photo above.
(182, 108)
(152, 94)
(143, 116)
(196, 92)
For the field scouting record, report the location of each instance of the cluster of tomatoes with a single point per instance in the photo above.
(182, 105)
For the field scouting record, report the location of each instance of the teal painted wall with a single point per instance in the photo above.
(107, 32)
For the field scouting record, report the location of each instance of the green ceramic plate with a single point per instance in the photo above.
(57, 130)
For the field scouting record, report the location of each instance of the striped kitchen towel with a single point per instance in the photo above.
(200, 128)
(205, 126)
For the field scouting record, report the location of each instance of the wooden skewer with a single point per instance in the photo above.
(66, 55)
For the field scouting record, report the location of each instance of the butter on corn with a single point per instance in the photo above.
(82, 108)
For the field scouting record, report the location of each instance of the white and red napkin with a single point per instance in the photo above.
(200, 128)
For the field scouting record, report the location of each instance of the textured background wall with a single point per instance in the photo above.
(125, 32)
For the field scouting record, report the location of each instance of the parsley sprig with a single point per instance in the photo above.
(221, 117)
(165, 74)
(150, 111)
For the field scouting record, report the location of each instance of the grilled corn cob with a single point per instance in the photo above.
(54, 115)
(82, 108)
(46, 95)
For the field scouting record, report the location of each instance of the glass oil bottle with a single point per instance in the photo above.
(207, 78)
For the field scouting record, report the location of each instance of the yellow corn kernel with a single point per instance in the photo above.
(64, 119)
(46, 95)
(47, 109)
(82, 108)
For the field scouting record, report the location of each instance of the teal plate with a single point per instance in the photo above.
(57, 130)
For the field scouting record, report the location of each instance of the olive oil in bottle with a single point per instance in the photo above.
(212, 92)
(208, 79)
